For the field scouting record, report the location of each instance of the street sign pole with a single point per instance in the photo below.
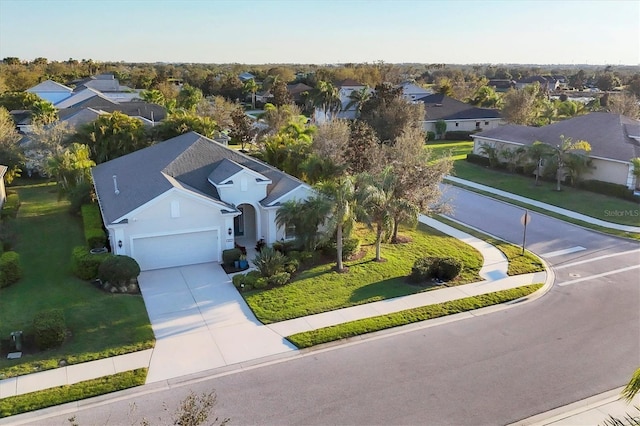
(525, 219)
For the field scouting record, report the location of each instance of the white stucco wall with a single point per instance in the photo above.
(244, 189)
(464, 125)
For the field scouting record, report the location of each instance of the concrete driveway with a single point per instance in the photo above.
(201, 322)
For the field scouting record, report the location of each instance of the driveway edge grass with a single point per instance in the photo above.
(602, 229)
(18, 404)
(369, 325)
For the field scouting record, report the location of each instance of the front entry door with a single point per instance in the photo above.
(238, 223)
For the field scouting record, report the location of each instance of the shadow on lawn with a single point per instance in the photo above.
(385, 289)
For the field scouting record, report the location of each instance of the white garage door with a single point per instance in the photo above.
(176, 250)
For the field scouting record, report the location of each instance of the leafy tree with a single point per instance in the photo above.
(281, 95)
(153, 96)
(219, 109)
(45, 141)
(522, 106)
(607, 82)
(290, 147)
(626, 104)
(363, 152)
(230, 87)
(342, 196)
(277, 117)
(183, 122)
(486, 97)
(10, 153)
(634, 86)
(18, 100)
(441, 128)
(331, 140)
(188, 97)
(242, 130)
(71, 168)
(113, 135)
(389, 113)
(578, 80)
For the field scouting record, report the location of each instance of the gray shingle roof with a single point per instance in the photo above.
(223, 171)
(187, 160)
(608, 134)
(441, 107)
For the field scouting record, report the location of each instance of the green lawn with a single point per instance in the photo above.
(369, 325)
(589, 203)
(100, 324)
(321, 289)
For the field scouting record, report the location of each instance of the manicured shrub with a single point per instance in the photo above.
(431, 136)
(458, 135)
(279, 279)
(231, 255)
(10, 269)
(118, 270)
(424, 269)
(250, 278)
(238, 280)
(291, 266)
(11, 206)
(79, 195)
(84, 265)
(269, 262)
(261, 283)
(350, 246)
(92, 220)
(478, 159)
(448, 268)
(49, 329)
(606, 188)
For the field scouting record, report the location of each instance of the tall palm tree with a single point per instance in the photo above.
(43, 112)
(377, 202)
(342, 196)
(327, 97)
(251, 86)
(153, 96)
(538, 152)
(358, 98)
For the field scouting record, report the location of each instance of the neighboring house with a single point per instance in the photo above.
(82, 112)
(458, 115)
(185, 200)
(109, 86)
(80, 96)
(77, 117)
(501, 85)
(345, 88)
(614, 140)
(245, 76)
(3, 191)
(547, 83)
(51, 91)
(296, 91)
(412, 91)
(22, 118)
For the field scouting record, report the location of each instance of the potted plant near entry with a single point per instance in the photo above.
(243, 262)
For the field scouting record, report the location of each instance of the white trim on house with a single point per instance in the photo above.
(272, 204)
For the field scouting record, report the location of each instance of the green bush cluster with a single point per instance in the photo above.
(84, 265)
(285, 247)
(350, 246)
(10, 269)
(458, 135)
(478, 159)
(431, 136)
(11, 206)
(118, 270)
(269, 262)
(428, 268)
(278, 279)
(231, 255)
(93, 232)
(49, 329)
(607, 188)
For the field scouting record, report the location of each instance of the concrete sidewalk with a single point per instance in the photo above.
(549, 207)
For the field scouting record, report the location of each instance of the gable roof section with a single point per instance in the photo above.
(187, 160)
(76, 98)
(49, 86)
(223, 171)
(441, 107)
(608, 134)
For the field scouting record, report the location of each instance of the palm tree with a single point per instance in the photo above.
(250, 86)
(358, 98)
(327, 97)
(341, 193)
(43, 112)
(305, 217)
(538, 152)
(153, 96)
(569, 154)
(377, 202)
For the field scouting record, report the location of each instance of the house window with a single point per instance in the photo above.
(175, 209)
(289, 231)
(477, 124)
(456, 124)
(486, 123)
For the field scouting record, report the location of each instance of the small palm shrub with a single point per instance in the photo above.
(269, 262)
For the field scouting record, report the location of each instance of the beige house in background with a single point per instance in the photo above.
(614, 140)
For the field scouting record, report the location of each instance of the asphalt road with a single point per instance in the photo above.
(580, 339)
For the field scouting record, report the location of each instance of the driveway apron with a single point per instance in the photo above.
(201, 322)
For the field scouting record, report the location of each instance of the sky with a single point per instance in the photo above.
(324, 31)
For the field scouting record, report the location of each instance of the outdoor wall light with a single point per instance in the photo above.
(120, 243)
(230, 231)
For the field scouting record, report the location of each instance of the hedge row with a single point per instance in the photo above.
(10, 269)
(84, 265)
(11, 206)
(93, 231)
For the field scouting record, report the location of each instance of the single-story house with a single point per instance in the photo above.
(3, 191)
(412, 91)
(51, 91)
(547, 83)
(458, 115)
(185, 200)
(296, 91)
(614, 140)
